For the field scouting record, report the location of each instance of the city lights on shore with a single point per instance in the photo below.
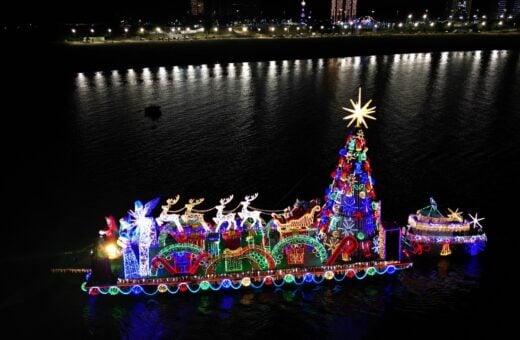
(412, 22)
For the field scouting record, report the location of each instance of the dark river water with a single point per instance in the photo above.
(448, 126)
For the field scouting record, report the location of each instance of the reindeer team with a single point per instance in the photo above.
(221, 217)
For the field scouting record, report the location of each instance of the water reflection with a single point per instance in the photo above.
(311, 310)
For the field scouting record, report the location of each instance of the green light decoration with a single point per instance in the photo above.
(289, 278)
(277, 251)
(204, 285)
(360, 236)
(113, 290)
(180, 247)
(255, 254)
(371, 271)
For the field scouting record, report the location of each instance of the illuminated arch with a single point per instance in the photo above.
(299, 239)
(260, 256)
(180, 247)
(160, 258)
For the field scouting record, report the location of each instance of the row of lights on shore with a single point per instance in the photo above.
(229, 29)
(273, 29)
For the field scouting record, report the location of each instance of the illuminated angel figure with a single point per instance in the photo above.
(145, 231)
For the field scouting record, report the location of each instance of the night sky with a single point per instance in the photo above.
(97, 10)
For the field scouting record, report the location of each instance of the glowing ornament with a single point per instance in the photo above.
(137, 290)
(204, 285)
(246, 281)
(162, 288)
(329, 275)
(288, 278)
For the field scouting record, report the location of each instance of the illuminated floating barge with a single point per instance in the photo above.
(429, 228)
(309, 243)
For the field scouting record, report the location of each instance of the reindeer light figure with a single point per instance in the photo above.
(191, 216)
(167, 217)
(248, 214)
(221, 217)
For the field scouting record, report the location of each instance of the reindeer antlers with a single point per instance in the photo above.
(172, 201)
(251, 198)
(225, 201)
(194, 202)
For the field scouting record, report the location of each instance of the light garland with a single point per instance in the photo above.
(289, 278)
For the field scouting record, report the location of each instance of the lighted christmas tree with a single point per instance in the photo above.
(350, 218)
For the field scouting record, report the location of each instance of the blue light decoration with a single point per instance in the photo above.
(308, 243)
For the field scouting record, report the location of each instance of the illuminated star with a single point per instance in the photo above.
(475, 221)
(359, 113)
(455, 215)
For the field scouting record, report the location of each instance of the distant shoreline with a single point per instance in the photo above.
(80, 57)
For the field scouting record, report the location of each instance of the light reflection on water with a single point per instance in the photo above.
(437, 289)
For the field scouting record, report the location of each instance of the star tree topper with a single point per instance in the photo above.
(359, 113)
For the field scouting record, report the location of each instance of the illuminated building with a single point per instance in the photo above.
(343, 10)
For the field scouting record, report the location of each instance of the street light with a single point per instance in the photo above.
(92, 30)
(109, 30)
(141, 30)
(409, 16)
(126, 30)
(73, 31)
(215, 29)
